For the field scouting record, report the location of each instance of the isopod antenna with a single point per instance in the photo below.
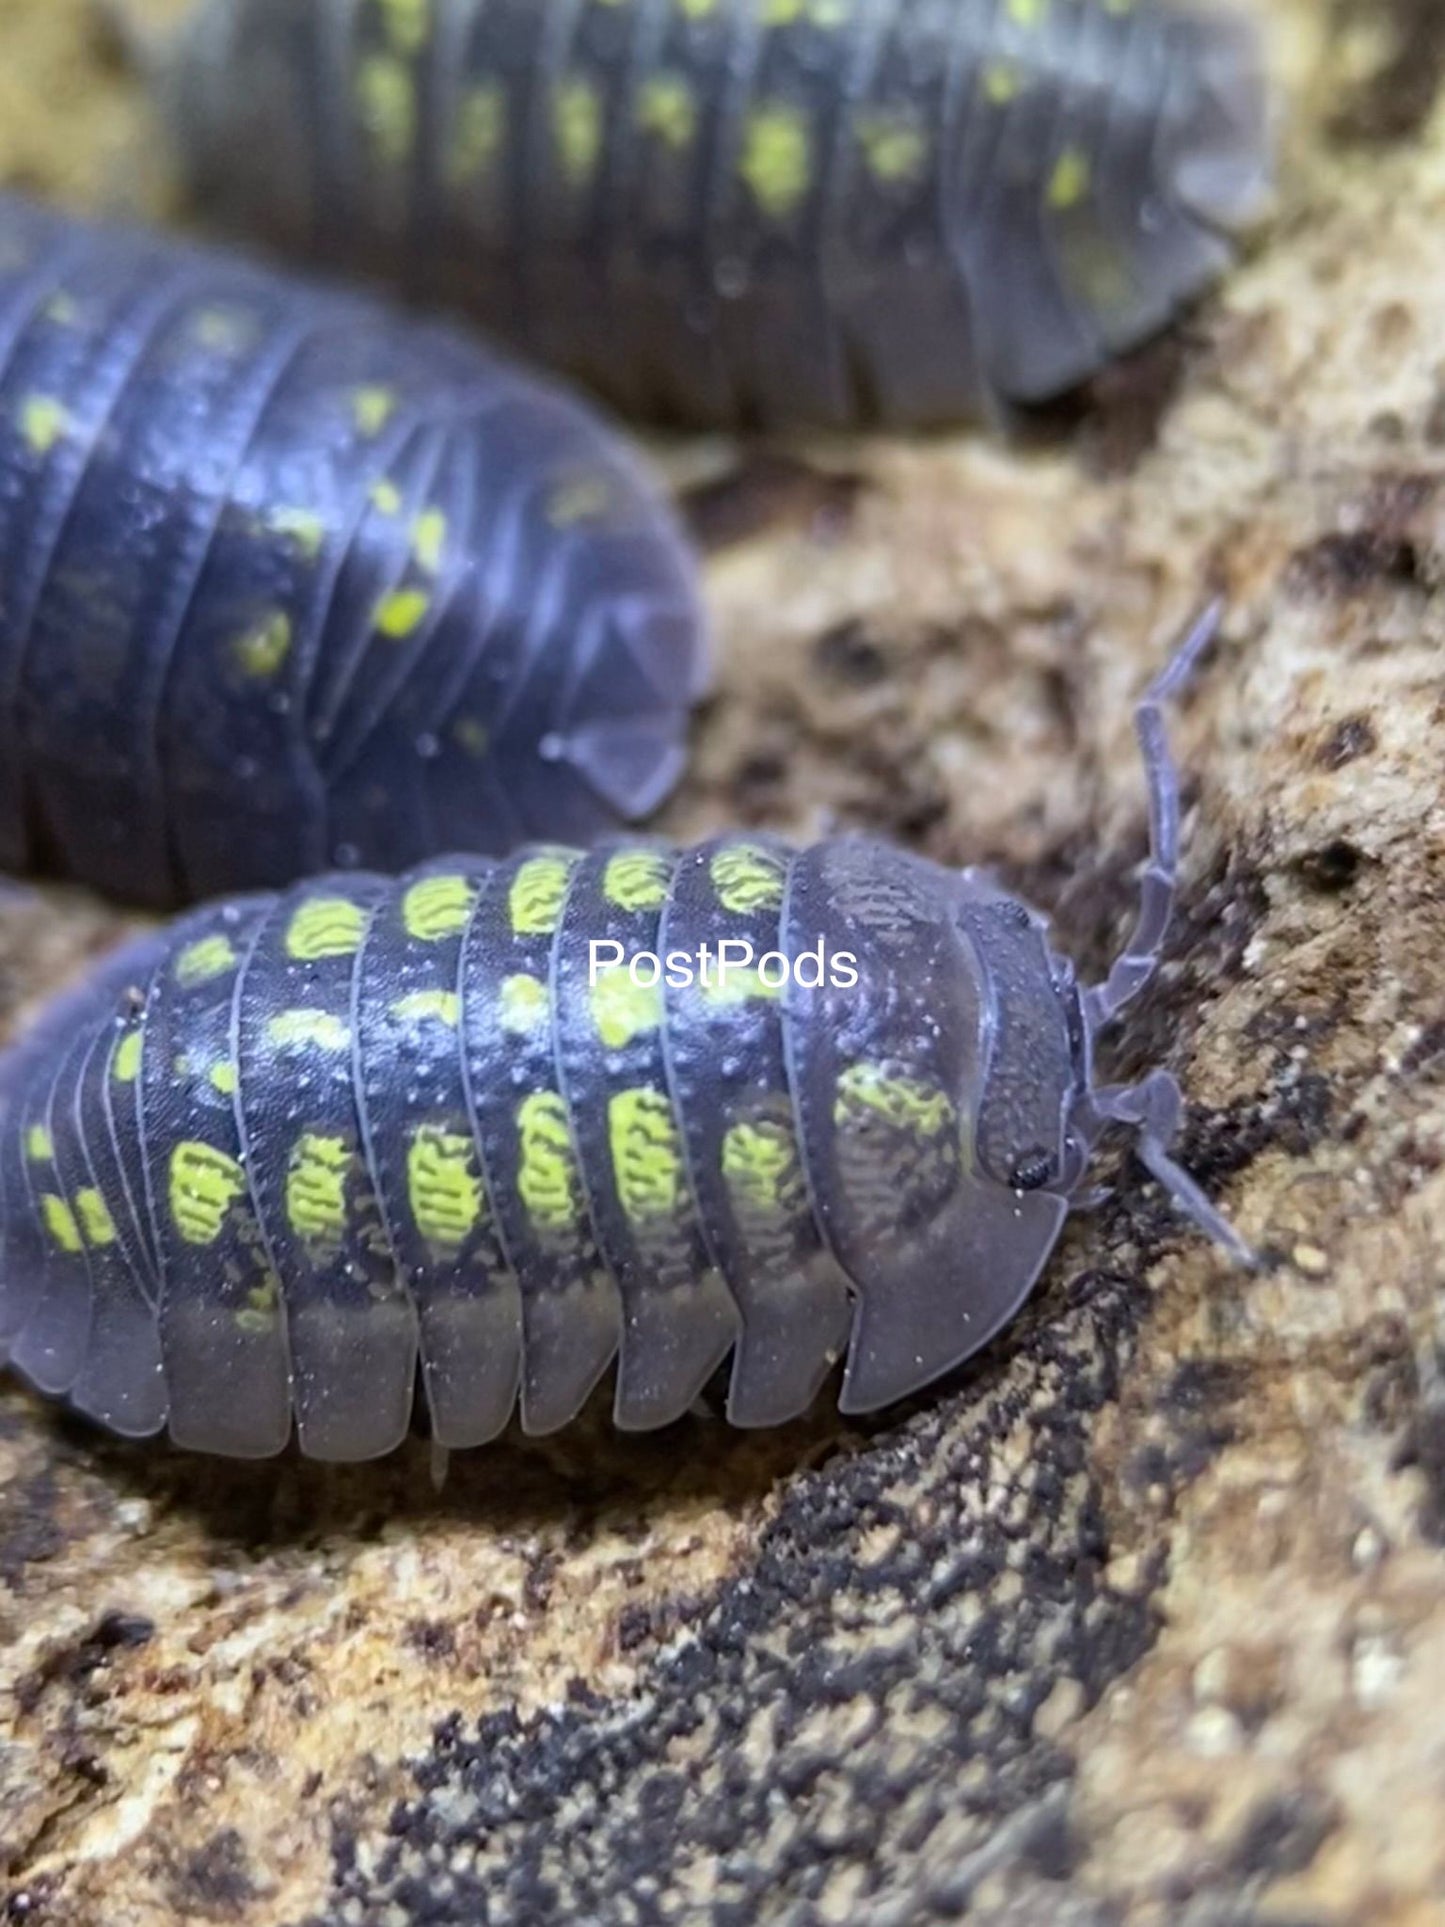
(1153, 1107)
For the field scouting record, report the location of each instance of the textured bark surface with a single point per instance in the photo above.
(1143, 1618)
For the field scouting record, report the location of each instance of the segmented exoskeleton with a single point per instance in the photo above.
(747, 210)
(277, 1154)
(287, 581)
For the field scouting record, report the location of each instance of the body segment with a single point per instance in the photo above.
(747, 210)
(291, 583)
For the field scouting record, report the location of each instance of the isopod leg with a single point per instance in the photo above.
(1154, 1107)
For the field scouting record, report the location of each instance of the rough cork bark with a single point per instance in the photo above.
(1143, 1618)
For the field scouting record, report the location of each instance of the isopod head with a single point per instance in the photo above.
(1034, 1109)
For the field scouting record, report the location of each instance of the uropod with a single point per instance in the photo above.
(287, 1159)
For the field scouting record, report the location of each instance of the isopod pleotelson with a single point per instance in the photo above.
(287, 582)
(756, 211)
(274, 1157)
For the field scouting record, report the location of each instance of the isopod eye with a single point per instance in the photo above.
(1032, 1171)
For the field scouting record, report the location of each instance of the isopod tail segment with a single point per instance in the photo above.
(1153, 1107)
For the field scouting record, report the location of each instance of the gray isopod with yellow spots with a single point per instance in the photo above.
(755, 211)
(273, 1159)
(290, 582)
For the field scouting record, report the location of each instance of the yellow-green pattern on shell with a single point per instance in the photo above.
(758, 211)
(290, 616)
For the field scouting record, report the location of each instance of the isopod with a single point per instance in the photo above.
(746, 211)
(274, 1158)
(288, 581)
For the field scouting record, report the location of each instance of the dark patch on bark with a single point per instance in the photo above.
(1128, 401)
(1347, 742)
(766, 490)
(1423, 1447)
(1394, 102)
(75, 1661)
(214, 1882)
(1283, 1836)
(848, 655)
(874, 1672)
(1332, 868)
(30, 1527)
(433, 1639)
(1387, 543)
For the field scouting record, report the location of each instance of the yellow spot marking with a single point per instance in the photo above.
(470, 735)
(95, 1216)
(60, 1223)
(204, 1184)
(258, 1314)
(202, 962)
(577, 129)
(907, 1103)
(43, 421)
(437, 907)
(223, 1079)
(738, 987)
(386, 100)
(546, 1168)
(523, 1006)
(646, 1155)
(623, 1009)
(776, 161)
(895, 149)
(761, 1170)
(304, 527)
(637, 879)
(822, 13)
(325, 927)
(1002, 83)
(386, 497)
(667, 107)
(372, 409)
(746, 878)
(481, 129)
(1028, 13)
(538, 892)
(264, 649)
(428, 1006)
(401, 613)
(61, 309)
(125, 1065)
(39, 1146)
(581, 498)
(316, 1186)
(443, 1184)
(222, 331)
(428, 539)
(1097, 273)
(1069, 182)
(696, 9)
(407, 23)
(296, 1027)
